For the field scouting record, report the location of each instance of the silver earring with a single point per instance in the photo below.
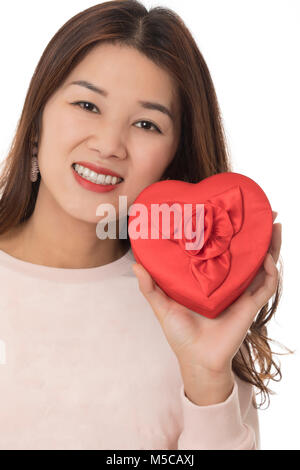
(34, 164)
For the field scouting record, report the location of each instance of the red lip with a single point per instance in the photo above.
(98, 169)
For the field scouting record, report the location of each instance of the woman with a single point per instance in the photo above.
(88, 366)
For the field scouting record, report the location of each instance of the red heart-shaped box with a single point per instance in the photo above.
(231, 219)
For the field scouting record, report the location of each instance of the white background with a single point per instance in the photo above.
(252, 51)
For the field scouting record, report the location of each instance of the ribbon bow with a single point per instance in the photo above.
(221, 219)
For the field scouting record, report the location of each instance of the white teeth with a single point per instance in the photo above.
(108, 179)
(100, 179)
(95, 177)
(80, 170)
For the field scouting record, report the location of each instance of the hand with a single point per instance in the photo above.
(209, 345)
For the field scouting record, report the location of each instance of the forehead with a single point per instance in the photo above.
(119, 69)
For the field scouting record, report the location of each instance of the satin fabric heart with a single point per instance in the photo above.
(229, 218)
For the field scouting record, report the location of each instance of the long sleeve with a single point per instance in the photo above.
(230, 425)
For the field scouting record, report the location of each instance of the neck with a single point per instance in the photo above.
(51, 237)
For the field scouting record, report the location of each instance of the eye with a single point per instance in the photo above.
(78, 103)
(151, 125)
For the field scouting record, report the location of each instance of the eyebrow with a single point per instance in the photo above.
(145, 104)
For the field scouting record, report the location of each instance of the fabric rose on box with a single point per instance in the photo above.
(207, 229)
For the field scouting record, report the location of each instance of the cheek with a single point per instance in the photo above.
(61, 134)
(145, 171)
(150, 164)
(61, 128)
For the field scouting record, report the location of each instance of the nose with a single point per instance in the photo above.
(109, 143)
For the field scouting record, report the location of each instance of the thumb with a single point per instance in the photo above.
(146, 283)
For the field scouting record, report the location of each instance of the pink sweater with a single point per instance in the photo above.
(84, 364)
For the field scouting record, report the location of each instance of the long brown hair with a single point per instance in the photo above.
(160, 35)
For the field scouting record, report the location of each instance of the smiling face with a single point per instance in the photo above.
(111, 129)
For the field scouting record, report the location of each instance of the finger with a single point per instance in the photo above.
(268, 289)
(275, 214)
(156, 297)
(275, 244)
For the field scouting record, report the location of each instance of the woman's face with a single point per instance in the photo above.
(110, 131)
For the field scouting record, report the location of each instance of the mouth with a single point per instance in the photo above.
(98, 179)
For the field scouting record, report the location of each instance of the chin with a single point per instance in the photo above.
(81, 213)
